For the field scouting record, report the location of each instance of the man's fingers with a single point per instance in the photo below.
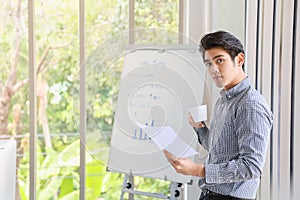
(171, 158)
(191, 120)
(195, 124)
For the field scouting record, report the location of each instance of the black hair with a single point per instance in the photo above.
(222, 39)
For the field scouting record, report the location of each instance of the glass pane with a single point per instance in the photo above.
(106, 38)
(14, 84)
(57, 59)
(156, 22)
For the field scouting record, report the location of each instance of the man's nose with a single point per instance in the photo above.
(215, 68)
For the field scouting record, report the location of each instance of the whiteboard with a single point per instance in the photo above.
(158, 86)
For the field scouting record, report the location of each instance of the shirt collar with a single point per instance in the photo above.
(236, 89)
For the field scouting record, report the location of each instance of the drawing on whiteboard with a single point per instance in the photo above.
(140, 134)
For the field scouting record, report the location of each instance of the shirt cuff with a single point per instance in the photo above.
(215, 174)
(212, 173)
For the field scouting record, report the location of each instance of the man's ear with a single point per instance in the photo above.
(240, 59)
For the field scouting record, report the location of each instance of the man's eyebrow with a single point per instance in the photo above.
(218, 56)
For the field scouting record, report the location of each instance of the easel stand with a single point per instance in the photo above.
(128, 187)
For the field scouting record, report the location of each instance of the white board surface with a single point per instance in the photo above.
(159, 84)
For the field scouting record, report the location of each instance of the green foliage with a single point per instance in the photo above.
(66, 187)
(93, 178)
(161, 17)
(163, 14)
(114, 186)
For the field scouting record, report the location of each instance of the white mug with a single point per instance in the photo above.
(199, 113)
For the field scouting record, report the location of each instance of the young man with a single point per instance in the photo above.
(241, 122)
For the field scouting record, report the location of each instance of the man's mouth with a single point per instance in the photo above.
(217, 77)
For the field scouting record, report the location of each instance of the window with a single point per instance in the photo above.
(57, 55)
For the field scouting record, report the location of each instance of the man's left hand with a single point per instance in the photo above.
(185, 166)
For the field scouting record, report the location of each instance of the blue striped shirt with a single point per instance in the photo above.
(237, 142)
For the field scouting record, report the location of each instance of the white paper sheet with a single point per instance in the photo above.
(167, 139)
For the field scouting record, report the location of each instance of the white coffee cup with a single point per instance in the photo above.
(199, 113)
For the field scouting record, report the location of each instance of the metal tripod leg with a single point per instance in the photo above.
(128, 182)
(128, 187)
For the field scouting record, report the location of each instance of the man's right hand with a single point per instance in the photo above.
(195, 124)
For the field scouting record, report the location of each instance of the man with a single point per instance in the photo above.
(241, 122)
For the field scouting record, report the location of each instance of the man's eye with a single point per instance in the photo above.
(207, 64)
(220, 60)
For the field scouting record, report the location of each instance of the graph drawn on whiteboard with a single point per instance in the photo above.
(158, 86)
(147, 107)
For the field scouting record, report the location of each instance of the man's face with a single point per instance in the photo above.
(224, 71)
